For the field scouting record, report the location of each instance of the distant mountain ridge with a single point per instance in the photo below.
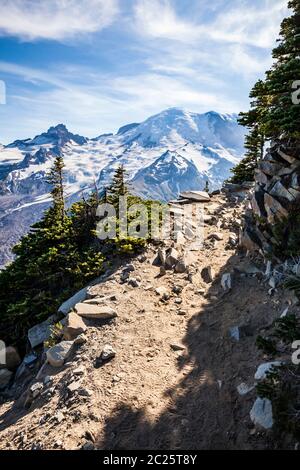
(172, 151)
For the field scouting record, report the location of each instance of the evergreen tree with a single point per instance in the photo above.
(56, 257)
(244, 171)
(55, 178)
(282, 116)
(272, 112)
(119, 186)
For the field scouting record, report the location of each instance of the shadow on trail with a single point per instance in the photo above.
(205, 410)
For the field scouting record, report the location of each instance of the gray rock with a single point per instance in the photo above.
(57, 355)
(58, 417)
(41, 332)
(74, 326)
(261, 413)
(172, 257)
(12, 358)
(216, 236)
(226, 282)
(263, 369)
(88, 445)
(5, 376)
(73, 387)
(234, 333)
(101, 300)
(244, 389)
(108, 353)
(274, 208)
(208, 274)
(162, 271)
(247, 267)
(79, 371)
(81, 339)
(133, 282)
(124, 276)
(182, 266)
(85, 392)
(95, 311)
(69, 304)
(129, 268)
(162, 292)
(177, 346)
(36, 389)
(280, 191)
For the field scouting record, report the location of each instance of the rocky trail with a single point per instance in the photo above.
(166, 361)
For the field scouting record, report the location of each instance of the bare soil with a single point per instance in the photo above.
(150, 396)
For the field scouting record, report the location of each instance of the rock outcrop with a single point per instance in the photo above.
(276, 194)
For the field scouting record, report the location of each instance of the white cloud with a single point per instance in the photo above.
(242, 23)
(55, 19)
(157, 18)
(103, 103)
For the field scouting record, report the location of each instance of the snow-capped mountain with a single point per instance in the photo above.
(168, 176)
(172, 151)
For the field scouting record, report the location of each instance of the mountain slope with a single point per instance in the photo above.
(167, 176)
(208, 144)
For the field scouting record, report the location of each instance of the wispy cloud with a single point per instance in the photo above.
(55, 19)
(157, 55)
(240, 23)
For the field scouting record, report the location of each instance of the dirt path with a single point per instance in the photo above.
(149, 395)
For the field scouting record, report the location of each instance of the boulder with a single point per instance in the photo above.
(41, 332)
(95, 311)
(11, 358)
(261, 413)
(274, 208)
(5, 376)
(261, 178)
(286, 157)
(57, 355)
(74, 326)
(278, 190)
(268, 168)
(181, 266)
(69, 304)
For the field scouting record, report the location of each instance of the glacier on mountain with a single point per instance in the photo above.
(172, 151)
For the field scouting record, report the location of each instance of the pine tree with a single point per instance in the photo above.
(282, 116)
(119, 186)
(245, 170)
(272, 112)
(55, 178)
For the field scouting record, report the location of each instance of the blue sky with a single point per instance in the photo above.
(98, 64)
